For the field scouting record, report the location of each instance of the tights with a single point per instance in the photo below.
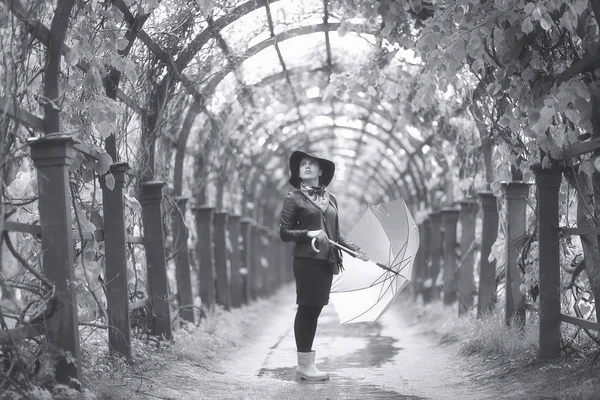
(305, 326)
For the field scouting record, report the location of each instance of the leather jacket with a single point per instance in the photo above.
(300, 215)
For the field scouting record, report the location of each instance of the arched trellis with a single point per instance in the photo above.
(286, 147)
(420, 190)
(387, 187)
(198, 105)
(391, 188)
(268, 195)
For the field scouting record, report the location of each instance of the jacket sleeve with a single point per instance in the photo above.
(341, 239)
(287, 233)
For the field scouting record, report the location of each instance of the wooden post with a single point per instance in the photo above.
(430, 287)
(52, 156)
(548, 184)
(115, 243)
(421, 260)
(222, 267)
(246, 259)
(275, 261)
(486, 297)
(235, 259)
(449, 221)
(206, 256)
(185, 297)
(516, 228)
(466, 283)
(255, 266)
(151, 196)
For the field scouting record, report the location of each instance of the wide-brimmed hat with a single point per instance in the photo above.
(327, 166)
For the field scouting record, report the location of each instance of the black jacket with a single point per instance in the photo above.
(300, 215)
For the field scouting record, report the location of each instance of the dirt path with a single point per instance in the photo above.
(390, 359)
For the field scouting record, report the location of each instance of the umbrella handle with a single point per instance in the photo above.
(313, 245)
(336, 244)
(352, 253)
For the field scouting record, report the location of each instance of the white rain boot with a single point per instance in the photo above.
(307, 369)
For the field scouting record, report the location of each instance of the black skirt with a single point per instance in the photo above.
(313, 281)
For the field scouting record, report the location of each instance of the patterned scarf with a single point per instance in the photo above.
(318, 194)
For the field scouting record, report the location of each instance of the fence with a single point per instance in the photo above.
(439, 241)
(221, 280)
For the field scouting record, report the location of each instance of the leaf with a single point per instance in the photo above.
(523, 288)
(546, 22)
(122, 44)
(527, 25)
(110, 181)
(103, 164)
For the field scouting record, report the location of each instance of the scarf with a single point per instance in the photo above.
(318, 194)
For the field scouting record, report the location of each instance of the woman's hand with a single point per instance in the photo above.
(319, 234)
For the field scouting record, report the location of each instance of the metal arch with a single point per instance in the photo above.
(359, 194)
(387, 185)
(283, 153)
(400, 172)
(408, 170)
(394, 138)
(258, 194)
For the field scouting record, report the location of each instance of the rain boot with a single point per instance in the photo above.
(307, 369)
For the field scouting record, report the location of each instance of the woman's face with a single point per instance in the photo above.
(310, 169)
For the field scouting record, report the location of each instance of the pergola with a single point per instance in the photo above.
(262, 71)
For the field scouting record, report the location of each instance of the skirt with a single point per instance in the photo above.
(313, 281)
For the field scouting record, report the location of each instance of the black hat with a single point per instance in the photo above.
(328, 168)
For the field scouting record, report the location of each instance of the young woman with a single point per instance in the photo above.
(311, 212)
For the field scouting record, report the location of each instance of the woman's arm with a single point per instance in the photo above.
(288, 222)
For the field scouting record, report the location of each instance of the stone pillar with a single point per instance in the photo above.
(548, 184)
(52, 156)
(185, 297)
(430, 287)
(115, 244)
(206, 256)
(486, 296)
(449, 221)
(246, 259)
(222, 267)
(151, 196)
(235, 258)
(516, 228)
(466, 282)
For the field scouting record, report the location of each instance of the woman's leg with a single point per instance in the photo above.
(316, 311)
(305, 326)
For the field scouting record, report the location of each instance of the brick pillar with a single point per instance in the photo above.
(206, 256)
(516, 228)
(52, 156)
(151, 196)
(548, 184)
(185, 297)
(115, 243)
(222, 267)
(449, 221)
(486, 296)
(466, 282)
(235, 258)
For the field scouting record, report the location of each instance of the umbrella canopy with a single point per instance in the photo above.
(388, 234)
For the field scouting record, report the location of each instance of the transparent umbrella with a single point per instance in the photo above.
(388, 234)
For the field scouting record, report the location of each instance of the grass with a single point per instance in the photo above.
(504, 356)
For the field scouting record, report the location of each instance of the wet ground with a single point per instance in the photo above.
(390, 359)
